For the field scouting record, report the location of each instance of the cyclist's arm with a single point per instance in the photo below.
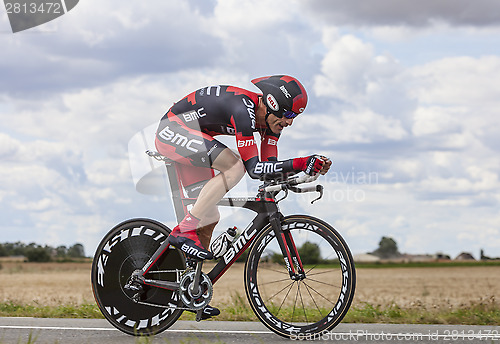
(269, 146)
(249, 153)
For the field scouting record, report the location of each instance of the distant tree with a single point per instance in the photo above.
(76, 251)
(243, 257)
(61, 251)
(483, 257)
(35, 253)
(277, 258)
(15, 249)
(387, 248)
(310, 253)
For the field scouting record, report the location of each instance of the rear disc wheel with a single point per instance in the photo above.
(124, 250)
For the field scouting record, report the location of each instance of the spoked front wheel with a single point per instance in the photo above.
(136, 310)
(300, 308)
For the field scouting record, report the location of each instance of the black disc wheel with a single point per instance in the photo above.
(142, 309)
(305, 307)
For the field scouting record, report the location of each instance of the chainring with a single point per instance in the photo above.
(195, 301)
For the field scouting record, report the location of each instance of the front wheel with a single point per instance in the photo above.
(125, 249)
(306, 307)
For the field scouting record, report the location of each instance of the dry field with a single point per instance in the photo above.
(437, 287)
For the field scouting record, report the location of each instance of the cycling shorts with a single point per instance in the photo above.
(192, 149)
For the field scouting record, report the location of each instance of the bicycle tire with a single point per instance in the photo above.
(301, 309)
(126, 248)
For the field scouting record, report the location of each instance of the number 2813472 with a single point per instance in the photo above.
(33, 8)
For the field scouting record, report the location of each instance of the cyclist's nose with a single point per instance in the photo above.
(288, 121)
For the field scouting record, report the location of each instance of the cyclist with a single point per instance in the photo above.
(186, 135)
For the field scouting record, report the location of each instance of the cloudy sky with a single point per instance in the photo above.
(404, 98)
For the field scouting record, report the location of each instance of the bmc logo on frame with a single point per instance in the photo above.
(26, 14)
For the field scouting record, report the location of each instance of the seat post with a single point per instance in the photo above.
(176, 189)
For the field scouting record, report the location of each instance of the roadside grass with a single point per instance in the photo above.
(485, 312)
(83, 311)
(480, 313)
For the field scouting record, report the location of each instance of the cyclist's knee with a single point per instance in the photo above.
(238, 169)
(230, 165)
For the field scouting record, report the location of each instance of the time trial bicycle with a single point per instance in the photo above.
(299, 274)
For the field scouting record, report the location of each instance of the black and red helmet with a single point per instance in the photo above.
(283, 95)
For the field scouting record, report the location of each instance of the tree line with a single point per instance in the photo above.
(37, 253)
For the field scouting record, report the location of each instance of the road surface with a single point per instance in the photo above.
(94, 331)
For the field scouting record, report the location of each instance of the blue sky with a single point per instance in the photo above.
(402, 97)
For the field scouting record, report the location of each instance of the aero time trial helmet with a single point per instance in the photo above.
(283, 95)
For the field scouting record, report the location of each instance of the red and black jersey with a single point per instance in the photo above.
(228, 110)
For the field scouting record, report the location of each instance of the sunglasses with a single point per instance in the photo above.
(289, 114)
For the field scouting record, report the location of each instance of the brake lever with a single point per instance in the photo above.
(319, 188)
(284, 196)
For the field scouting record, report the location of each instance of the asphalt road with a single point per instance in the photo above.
(93, 331)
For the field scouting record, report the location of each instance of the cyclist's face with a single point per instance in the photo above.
(277, 124)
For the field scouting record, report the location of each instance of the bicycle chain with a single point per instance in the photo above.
(169, 307)
(185, 272)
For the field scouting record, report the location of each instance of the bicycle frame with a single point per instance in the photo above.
(267, 211)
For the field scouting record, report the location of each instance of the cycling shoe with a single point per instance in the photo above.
(208, 312)
(189, 243)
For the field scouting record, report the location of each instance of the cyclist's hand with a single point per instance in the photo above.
(326, 165)
(311, 165)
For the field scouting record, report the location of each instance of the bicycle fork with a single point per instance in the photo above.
(289, 250)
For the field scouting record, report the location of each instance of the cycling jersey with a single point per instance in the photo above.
(186, 132)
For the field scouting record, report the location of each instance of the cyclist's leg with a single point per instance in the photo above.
(231, 171)
(207, 226)
(204, 213)
(193, 179)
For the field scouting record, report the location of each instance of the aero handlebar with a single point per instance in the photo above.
(290, 184)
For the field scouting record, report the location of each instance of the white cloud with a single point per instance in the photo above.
(435, 120)
(244, 17)
(406, 12)
(345, 68)
(458, 81)
(353, 74)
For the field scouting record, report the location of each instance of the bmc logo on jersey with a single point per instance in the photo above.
(246, 143)
(272, 103)
(168, 135)
(272, 142)
(194, 115)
